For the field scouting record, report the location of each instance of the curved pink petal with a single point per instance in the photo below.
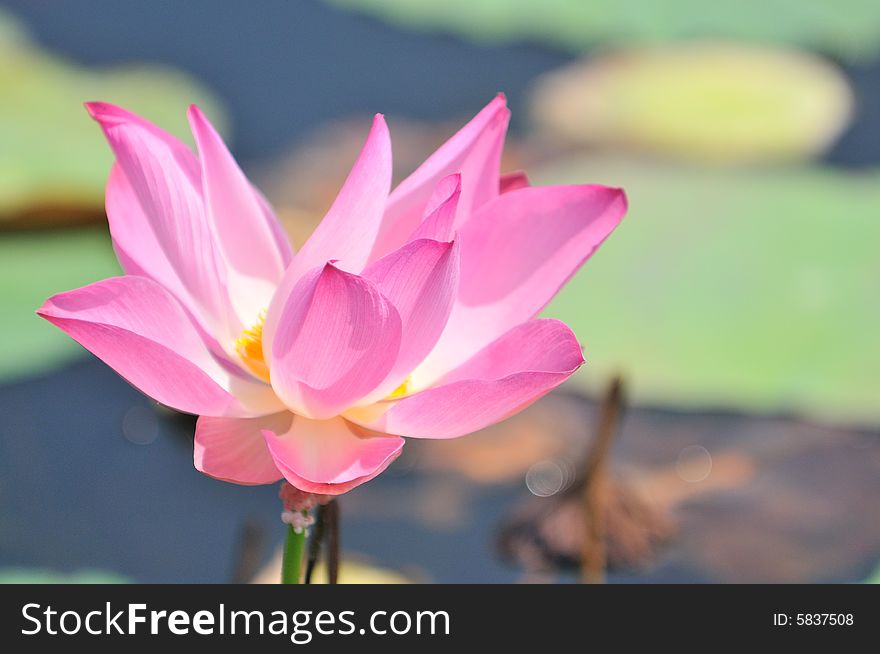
(420, 280)
(503, 378)
(440, 212)
(137, 249)
(163, 177)
(244, 234)
(512, 181)
(337, 339)
(516, 253)
(137, 328)
(348, 230)
(107, 115)
(233, 449)
(140, 254)
(474, 151)
(330, 456)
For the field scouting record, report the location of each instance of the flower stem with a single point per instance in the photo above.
(316, 542)
(291, 564)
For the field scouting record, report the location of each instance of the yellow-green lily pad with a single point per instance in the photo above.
(846, 28)
(34, 266)
(704, 101)
(46, 576)
(53, 159)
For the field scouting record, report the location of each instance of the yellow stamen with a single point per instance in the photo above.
(401, 390)
(250, 348)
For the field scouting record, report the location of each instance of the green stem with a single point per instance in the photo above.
(291, 565)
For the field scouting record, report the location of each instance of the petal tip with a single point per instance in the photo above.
(197, 118)
(47, 310)
(332, 267)
(453, 181)
(101, 111)
(618, 200)
(380, 127)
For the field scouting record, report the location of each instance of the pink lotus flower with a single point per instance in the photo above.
(407, 313)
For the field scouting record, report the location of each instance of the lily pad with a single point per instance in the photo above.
(746, 288)
(53, 160)
(703, 101)
(351, 571)
(846, 28)
(33, 266)
(43, 576)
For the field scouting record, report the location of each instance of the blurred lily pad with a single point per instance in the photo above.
(43, 576)
(846, 28)
(704, 101)
(352, 570)
(53, 160)
(754, 289)
(33, 266)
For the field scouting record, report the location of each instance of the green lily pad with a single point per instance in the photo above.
(752, 289)
(34, 266)
(44, 576)
(53, 159)
(703, 101)
(846, 28)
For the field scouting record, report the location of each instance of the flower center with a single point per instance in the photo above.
(250, 348)
(401, 390)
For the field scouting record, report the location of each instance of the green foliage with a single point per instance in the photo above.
(751, 289)
(51, 153)
(846, 28)
(874, 577)
(34, 266)
(43, 576)
(700, 101)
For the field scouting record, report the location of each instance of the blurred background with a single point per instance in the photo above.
(727, 425)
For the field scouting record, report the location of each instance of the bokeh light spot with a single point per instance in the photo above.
(546, 478)
(694, 463)
(140, 425)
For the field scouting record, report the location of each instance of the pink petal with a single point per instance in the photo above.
(137, 328)
(503, 378)
(330, 456)
(233, 449)
(162, 176)
(348, 230)
(516, 253)
(439, 221)
(243, 230)
(134, 240)
(337, 339)
(512, 181)
(420, 280)
(475, 152)
(140, 254)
